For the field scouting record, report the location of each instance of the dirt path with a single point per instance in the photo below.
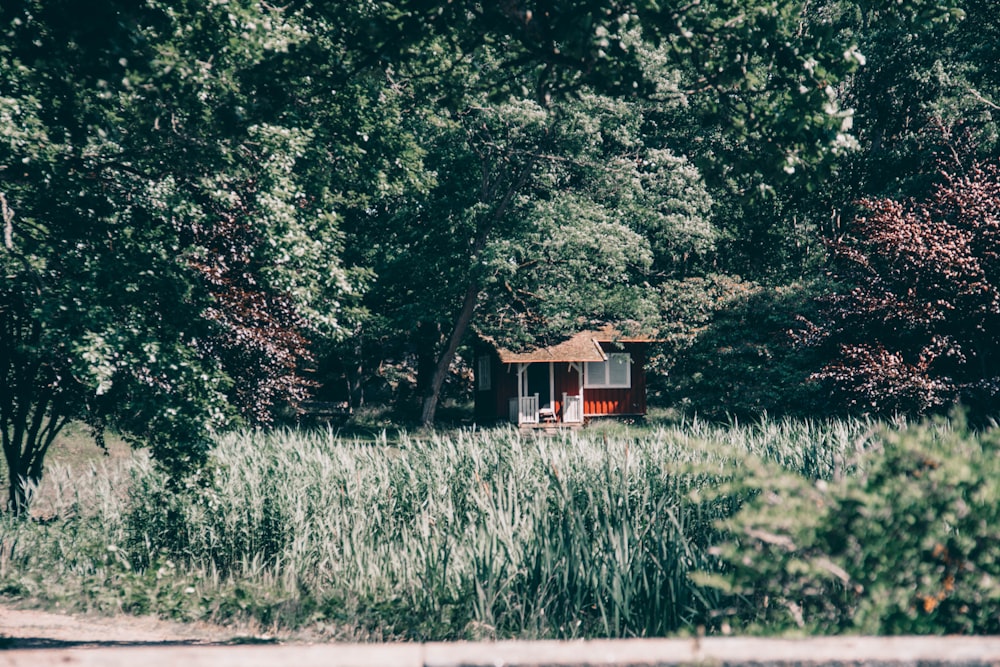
(125, 641)
(30, 628)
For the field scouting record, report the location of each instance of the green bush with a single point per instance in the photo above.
(736, 356)
(910, 545)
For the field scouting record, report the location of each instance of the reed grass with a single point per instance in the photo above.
(466, 534)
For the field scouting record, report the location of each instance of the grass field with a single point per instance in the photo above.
(73, 456)
(460, 534)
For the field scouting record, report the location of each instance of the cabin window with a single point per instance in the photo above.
(616, 372)
(484, 373)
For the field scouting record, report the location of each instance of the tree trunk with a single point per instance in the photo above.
(427, 342)
(20, 486)
(25, 457)
(28, 430)
(458, 332)
(464, 318)
(355, 378)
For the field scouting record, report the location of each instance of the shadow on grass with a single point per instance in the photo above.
(12, 643)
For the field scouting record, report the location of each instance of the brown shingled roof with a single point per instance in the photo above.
(584, 346)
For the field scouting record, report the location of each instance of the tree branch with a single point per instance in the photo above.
(979, 96)
(7, 215)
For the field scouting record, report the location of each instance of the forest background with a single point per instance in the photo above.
(214, 210)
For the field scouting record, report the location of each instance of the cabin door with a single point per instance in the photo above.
(538, 379)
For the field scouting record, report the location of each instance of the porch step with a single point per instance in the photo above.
(549, 428)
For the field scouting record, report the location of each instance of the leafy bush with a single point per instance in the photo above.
(909, 545)
(917, 322)
(735, 357)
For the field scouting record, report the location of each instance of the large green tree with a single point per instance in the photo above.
(165, 252)
(753, 71)
(927, 71)
(530, 220)
(928, 80)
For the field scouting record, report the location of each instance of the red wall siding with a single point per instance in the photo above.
(632, 401)
(566, 381)
(505, 386)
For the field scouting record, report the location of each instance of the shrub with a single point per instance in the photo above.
(740, 360)
(917, 322)
(910, 545)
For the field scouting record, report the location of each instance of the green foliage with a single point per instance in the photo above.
(749, 67)
(532, 219)
(607, 218)
(601, 119)
(908, 546)
(729, 352)
(164, 248)
(931, 67)
(192, 192)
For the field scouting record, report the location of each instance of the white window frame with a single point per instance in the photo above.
(603, 379)
(484, 373)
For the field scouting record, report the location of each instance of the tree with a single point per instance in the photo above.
(728, 353)
(756, 71)
(609, 217)
(164, 254)
(922, 65)
(915, 322)
(424, 244)
(761, 73)
(534, 220)
(928, 67)
(903, 97)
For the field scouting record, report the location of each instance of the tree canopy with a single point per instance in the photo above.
(164, 253)
(914, 323)
(211, 206)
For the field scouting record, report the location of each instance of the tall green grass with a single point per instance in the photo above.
(469, 534)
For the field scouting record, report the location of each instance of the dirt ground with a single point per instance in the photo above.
(29, 628)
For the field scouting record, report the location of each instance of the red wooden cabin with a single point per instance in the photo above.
(593, 374)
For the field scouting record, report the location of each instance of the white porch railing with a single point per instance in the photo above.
(572, 409)
(524, 410)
